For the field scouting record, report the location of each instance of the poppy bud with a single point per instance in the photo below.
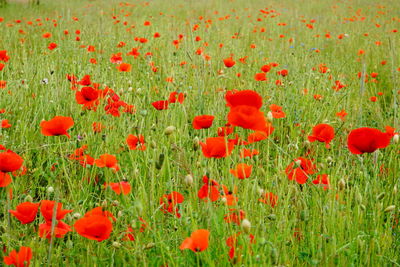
(224, 200)
(76, 215)
(116, 244)
(104, 203)
(307, 143)
(270, 117)
(396, 138)
(362, 207)
(196, 143)
(50, 190)
(304, 215)
(359, 197)
(246, 225)
(160, 161)
(390, 208)
(149, 246)
(28, 198)
(271, 217)
(261, 191)
(360, 242)
(395, 190)
(120, 214)
(153, 144)
(380, 196)
(329, 159)
(342, 184)
(169, 130)
(115, 203)
(189, 180)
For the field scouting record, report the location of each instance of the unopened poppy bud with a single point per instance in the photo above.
(396, 138)
(271, 217)
(115, 203)
(116, 244)
(307, 143)
(224, 200)
(342, 184)
(104, 203)
(360, 242)
(261, 191)
(169, 130)
(143, 112)
(50, 189)
(395, 190)
(28, 198)
(246, 225)
(380, 196)
(329, 159)
(77, 215)
(153, 144)
(390, 208)
(359, 197)
(149, 246)
(188, 180)
(196, 143)
(362, 207)
(270, 117)
(120, 214)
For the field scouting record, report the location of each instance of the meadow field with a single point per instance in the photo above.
(200, 133)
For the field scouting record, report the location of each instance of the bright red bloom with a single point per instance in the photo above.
(5, 124)
(57, 126)
(322, 133)
(209, 190)
(203, 122)
(216, 147)
(198, 241)
(52, 46)
(169, 202)
(283, 72)
(94, 226)
(47, 208)
(229, 197)
(173, 99)
(229, 62)
(160, 105)
(244, 153)
(19, 259)
(60, 229)
(85, 81)
(269, 198)
(322, 180)
(342, 114)
(5, 179)
(10, 161)
(266, 68)
(136, 142)
(116, 58)
(107, 160)
(242, 171)
(247, 117)
(243, 98)
(277, 112)
(88, 96)
(79, 155)
(124, 67)
(236, 216)
(26, 212)
(300, 169)
(118, 188)
(367, 140)
(260, 77)
(3, 56)
(260, 135)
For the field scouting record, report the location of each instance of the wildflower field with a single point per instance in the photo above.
(200, 133)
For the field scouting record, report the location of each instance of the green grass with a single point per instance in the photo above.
(343, 227)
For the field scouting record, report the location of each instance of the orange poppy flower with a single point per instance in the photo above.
(5, 179)
(300, 169)
(247, 117)
(26, 212)
(367, 140)
(269, 198)
(244, 153)
(5, 124)
(242, 171)
(198, 241)
(277, 112)
(202, 122)
(60, 229)
(322, 133)
(168, 203)
(3, 56)
(216, 147)
(121, 187)
(107, 160)
(57, 126)
(47, 208)
(136, 142)
(94, 225)
(22, 258)
(124, 67)
(10, 161)
(160, 105)
(243, 98)
(88, 97)
(209, 190)
(229, 62)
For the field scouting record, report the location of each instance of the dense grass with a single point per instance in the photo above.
(345, 225)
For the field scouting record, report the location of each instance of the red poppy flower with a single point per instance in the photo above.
(26, 212)
(300, 169)
(244, 153)
(94, 226)
(229, 62)
(173, 97)
(80, 156)
(5, 179)
(225, 130)
(216, 147)
(88, 96)
(136, 142)
(258, 136)
(283, 72)
(236, 216)
(198, 241)
(322, 180)
(160, 105)
(107, 160)
(5, 124)
(229, 197)
(57, 126)
(342, 114)
(266, 68)
(277, 112)
(202, 122)
(209, 190)
(60, 229)
(322, 133)
(10, 161)
(47, 208)
(242, 171)
(19, 259)
(3, 56)
(85, 81)
(247, 117)
(52, 46)
(367, 140)
(243, 98)
(260, 77)
(269, 198)
(169, 202)
(124, 67)
(118, 188)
